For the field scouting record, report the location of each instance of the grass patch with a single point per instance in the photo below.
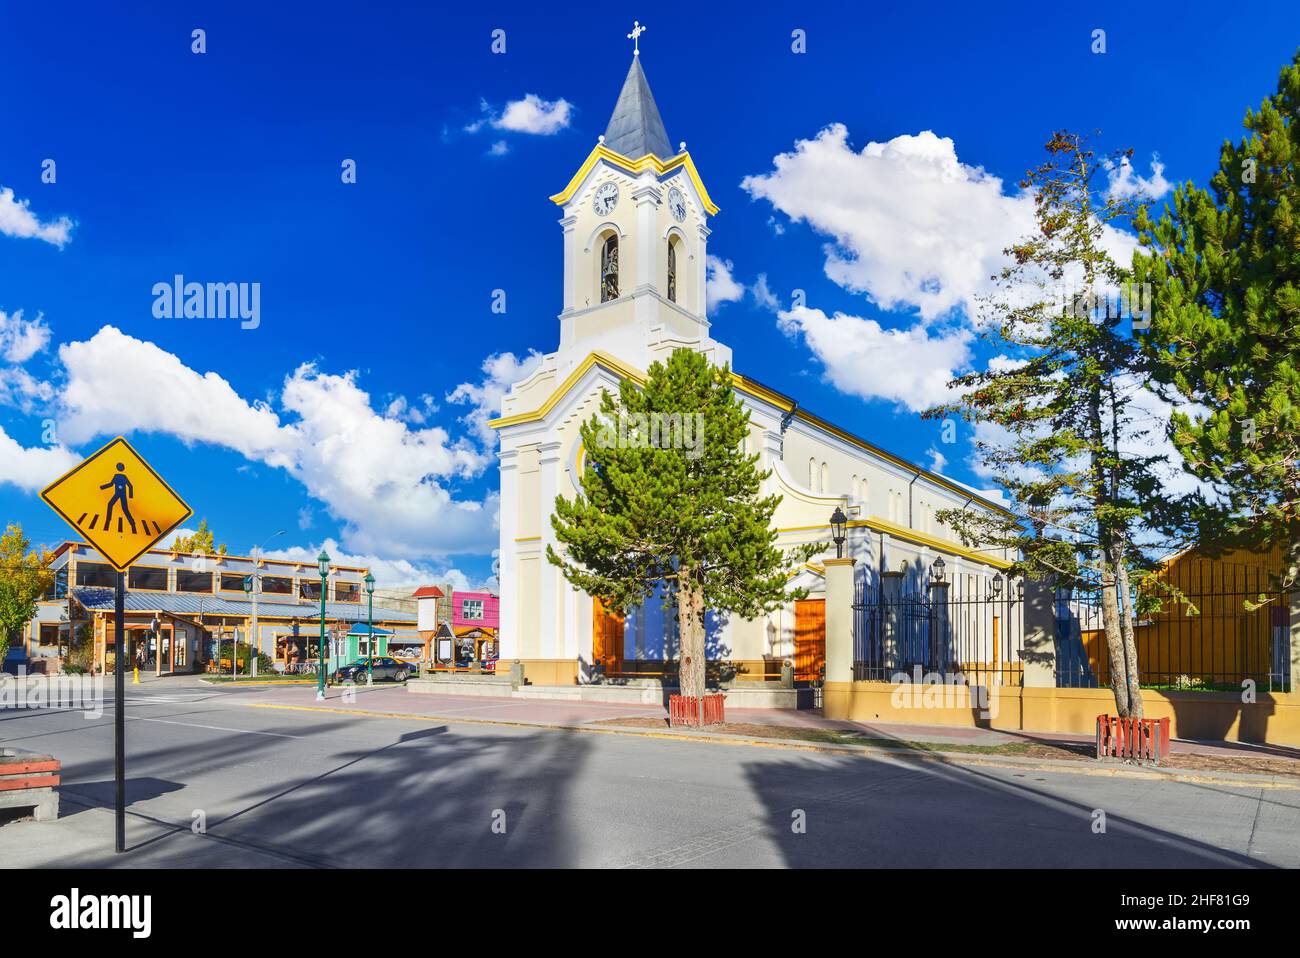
(264, 679)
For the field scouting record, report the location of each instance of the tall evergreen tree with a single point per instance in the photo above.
(1224, 269)
(671, 499)
(1062, 393)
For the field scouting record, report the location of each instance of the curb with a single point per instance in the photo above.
(1241, 779)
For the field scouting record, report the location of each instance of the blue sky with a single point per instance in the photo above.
(225, 167)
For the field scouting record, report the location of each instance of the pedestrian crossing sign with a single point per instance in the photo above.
(117, 503)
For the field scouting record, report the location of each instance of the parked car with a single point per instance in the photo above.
(384, 668)
(413, 664)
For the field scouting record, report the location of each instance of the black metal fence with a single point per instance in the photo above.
(972, 624)
(1226, 624)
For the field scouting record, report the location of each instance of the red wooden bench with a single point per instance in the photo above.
(27, 780)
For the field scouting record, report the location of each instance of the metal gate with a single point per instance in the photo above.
(972, 625)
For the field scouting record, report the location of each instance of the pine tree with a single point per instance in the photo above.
(201, 542)
(671, 500)
(1224, 269)
(1062, 392)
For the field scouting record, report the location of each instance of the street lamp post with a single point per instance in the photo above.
(252, 586)
(370, 629)
(838, 523)
(255, 645)
(323, 563)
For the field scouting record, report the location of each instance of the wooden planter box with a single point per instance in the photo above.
(27, 780)
(1142, 740)
(689, 710)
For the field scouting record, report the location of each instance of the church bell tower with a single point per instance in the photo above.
(635, 238)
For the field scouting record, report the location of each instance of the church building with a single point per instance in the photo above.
(636, 225)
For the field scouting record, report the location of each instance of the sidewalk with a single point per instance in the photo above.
(782, 725)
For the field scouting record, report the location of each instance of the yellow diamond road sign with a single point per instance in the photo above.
(117, 503)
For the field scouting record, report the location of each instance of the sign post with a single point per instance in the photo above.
(143, 501)
(119, 714)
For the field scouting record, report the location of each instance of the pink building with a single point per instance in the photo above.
(475, 609)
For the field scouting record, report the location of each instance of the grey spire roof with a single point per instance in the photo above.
(636, 128)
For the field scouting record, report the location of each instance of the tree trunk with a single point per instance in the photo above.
(690, 627)
(1127, 635)
(1114, 640)
(1106, 548)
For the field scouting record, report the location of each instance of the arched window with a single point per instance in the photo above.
(853, 486)
(609, 269)
(826, 478)
(672, 270)
(813, 474)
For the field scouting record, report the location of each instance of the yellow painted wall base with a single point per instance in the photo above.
(1273, 719)
(546, 671)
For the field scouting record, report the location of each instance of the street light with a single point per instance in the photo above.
(936, 569)
(252, 585)
(323, 563)
(997, 584)
(838, 522)
(370, 629)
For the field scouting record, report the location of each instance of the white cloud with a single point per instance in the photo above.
(161, 394)
(21, 339)
(912, 226)
(17, 220)
(719, 285)
(499, 148)
(763, 294)
(388, 573)
(374, 473)
(501, 371)
(306, 517)
(1125, 182)
(21, 389)
(910, 367)
(937, 459)
(32, 469)
(532, 114)
(416, 413)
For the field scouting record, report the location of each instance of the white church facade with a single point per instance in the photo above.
(635, 221)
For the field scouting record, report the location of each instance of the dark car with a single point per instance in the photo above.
(384, 669)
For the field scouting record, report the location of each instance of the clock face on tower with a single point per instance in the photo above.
(677, 204)
(606, 199)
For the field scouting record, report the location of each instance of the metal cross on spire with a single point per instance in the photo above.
(634, 36)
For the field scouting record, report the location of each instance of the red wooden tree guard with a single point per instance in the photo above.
(1143, 740)
(690, 710)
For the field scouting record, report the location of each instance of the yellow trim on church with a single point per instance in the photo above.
(746, 385)
(911, 535)
(596, 357)
(647, 162)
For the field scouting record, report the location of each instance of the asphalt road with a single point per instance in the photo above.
(281, 788)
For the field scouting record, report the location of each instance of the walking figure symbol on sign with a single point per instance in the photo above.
(122, 491)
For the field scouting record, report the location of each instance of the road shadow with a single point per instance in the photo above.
(864, 813)
(427, 798)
